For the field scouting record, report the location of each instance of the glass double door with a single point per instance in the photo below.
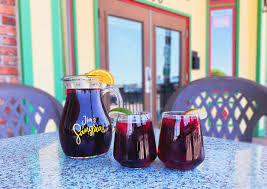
(145, 50)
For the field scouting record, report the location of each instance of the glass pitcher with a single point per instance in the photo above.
(85, 130)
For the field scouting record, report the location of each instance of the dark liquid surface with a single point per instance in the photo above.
(181, 143)
(85, 129)
(134, 145)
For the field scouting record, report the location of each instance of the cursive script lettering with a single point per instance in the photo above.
(83, 129)
(87, 120)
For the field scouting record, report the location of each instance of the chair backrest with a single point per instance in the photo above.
(234, 105)
(25, 110)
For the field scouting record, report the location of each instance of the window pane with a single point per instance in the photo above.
(125, 59)
(168, 55)
(168, 65)
(222, 41)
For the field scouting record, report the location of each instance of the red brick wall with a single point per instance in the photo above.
(9, 68)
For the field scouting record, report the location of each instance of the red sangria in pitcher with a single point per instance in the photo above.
(85, 130)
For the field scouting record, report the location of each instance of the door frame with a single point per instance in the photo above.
(148, 6)
(152, 6)
(233, 41)
(102, 10)
(223, 4)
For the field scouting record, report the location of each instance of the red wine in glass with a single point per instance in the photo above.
(181, 142)
(134, 144)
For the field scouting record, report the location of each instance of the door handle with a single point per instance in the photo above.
(148, 78)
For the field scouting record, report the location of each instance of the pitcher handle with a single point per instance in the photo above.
(116, 92)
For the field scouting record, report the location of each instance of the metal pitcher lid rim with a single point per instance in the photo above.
(80, 77)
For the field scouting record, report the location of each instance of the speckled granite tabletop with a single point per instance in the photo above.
(37, 161)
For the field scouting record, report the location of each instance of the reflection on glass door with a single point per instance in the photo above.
(167, 66)
(125, 60)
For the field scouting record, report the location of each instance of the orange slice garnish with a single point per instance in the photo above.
(105, 76)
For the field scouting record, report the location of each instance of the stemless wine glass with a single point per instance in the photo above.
(134, 144)
(181, 142)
